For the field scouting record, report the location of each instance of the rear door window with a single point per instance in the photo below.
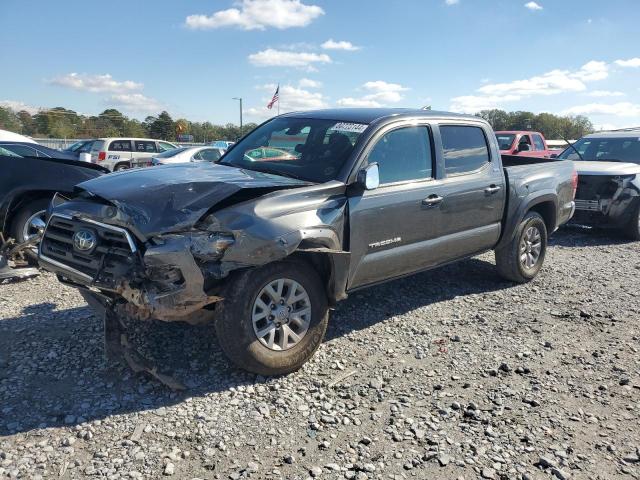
(143, 146)
(164, 146)
(403, 154)
(537, 141)
(120, 146)
(465, 149)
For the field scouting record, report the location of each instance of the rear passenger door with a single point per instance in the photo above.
(143, 149)
(119, 151)
(473, 191)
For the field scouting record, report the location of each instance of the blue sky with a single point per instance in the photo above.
(192, 56)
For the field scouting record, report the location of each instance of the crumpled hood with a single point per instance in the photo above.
(606, 168)
(156, 200)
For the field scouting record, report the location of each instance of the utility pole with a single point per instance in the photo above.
(240, 100)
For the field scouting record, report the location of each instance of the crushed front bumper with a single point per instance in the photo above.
(162, 281)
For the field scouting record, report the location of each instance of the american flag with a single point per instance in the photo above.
(276, 97)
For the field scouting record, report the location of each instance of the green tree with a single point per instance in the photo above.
(9, 120)
(163, 127)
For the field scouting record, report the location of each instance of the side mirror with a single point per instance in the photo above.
(523, 147)
(553, 155)
(369, 177)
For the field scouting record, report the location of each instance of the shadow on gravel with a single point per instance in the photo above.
(53, 372)
(580, 236)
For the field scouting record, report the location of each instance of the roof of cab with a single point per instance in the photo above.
(623, 133)
(370, 115)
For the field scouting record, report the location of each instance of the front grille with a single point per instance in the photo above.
(592, 187)
(108, 260)
(589, 205)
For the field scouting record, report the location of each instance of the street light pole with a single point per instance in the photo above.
(240, 99)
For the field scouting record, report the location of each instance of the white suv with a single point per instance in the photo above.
(120, 153)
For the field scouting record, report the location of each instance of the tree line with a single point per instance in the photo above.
(60, 122)
(553, 127)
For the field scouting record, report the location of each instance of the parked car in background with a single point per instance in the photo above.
(83, 146)
(25, 149)
(7, 136)
(184, 155)
(263, 248)
(224, 144)
(516, 142)
(27, 185)
(608, 165)
(120, 153)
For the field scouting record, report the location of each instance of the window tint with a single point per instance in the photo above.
(525, 139)
(210, 154)
(465, 149)
(145, 146)
(537, 141)
(403, 154)
(120, 146)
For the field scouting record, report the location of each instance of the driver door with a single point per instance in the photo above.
(391, 225)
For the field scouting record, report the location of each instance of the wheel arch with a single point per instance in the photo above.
(331, 265)
(21, 199)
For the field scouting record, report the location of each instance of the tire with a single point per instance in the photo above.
(632, 230)
(121, 166)
(511, 263)
(235, 315)
(20, 219)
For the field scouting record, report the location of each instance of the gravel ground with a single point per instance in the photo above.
(448, 374)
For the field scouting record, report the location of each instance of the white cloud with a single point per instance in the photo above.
(259, 15)
(357, 102)
(309, 83)
(95, 83)
(292, 98)
(630, 63)
(18, 106)
(495, 95)
(379, 94)
(533, 6)
(135, 102)
(620, 109)
(451, 2)
(341, 45)
(281, 58)
(605, 93)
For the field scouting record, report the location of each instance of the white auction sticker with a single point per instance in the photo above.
(350, 127)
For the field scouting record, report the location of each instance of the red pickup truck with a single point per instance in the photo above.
(514, 142)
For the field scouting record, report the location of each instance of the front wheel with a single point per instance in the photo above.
(632, 230)
(273, 318)
(522, 258)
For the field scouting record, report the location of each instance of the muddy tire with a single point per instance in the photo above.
(521, 259)
(632, 230)
(272, 318)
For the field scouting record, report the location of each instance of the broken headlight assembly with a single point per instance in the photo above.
(202, 244)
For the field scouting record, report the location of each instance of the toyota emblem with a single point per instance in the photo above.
(84, 240)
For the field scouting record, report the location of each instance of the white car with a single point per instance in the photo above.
(121, 153)
(188, 154)
(7, 136)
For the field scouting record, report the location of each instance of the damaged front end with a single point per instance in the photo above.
(164, 253)
(606, 200)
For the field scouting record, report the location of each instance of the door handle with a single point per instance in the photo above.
(432, 200)
(492, 189)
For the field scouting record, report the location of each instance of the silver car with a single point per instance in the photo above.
(188, 154)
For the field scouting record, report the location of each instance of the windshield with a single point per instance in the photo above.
(8, 153)
(306, 148)
(612, 149)
(505, 140)
(172, 153)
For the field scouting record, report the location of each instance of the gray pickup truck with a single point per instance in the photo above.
(303, 210)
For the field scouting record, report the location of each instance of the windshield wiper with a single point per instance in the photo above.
(574, 148)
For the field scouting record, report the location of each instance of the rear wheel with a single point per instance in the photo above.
(632, 230)
(121, 166)
(273, 318)
(522, 258)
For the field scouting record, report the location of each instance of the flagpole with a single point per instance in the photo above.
(278, 99)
